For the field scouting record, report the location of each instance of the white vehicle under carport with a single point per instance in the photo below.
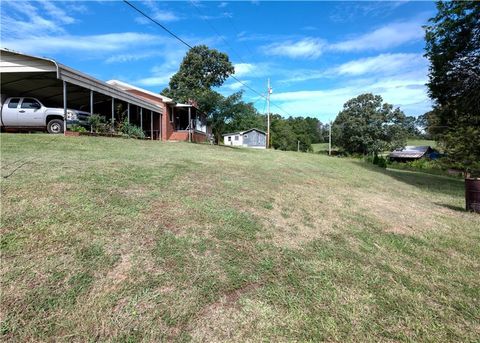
(30, 113)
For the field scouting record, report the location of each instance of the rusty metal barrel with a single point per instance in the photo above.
(472, 194)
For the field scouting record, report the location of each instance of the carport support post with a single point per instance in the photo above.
(91, 102)
(113, 111)
(190, 124)
(128, 112)
(151, 124)
(141, 118)
(91, 108)
(64, 108)
(159, 127)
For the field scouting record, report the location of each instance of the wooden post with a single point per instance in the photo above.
(141, 118)
(128, 112)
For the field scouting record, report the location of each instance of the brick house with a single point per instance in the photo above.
(180, 122)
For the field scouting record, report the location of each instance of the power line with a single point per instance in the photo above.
(238, 34)
(205, 19)
(189, 46)
(156, 22)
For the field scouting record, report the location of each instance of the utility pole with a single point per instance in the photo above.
(269, 91)
(330, 139)
(298, 146)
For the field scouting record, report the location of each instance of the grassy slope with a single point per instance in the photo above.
(320, 147)
(417, 142)
(121, 240)
(422, 142)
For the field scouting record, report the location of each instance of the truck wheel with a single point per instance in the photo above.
(55, 126)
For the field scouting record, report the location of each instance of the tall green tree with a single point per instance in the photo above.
(201, 69)
(295, 132)
(245, 116)
(230, 114)
(453, 48)
(367, 125)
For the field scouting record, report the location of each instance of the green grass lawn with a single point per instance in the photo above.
(320, 147)
(422, 142)
(118, 240)
(323, 147)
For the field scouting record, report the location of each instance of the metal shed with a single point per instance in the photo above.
(253, 138)
(410, 153)
(62, 86)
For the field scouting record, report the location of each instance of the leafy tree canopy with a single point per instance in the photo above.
(367, 125)
(201, 69)
(453, 48)
(294, 132)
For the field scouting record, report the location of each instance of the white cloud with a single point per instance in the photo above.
(384, 63)
(380, 65)
(155, 80)
(57, 13)
(385, 37)
(223, 4)
(349, 11)
(235, 86)
(160, 74)
(20, 19)
(128, 57)
(399, 78)
(408, 93)
(304, 48)
(94, 43)
(157, 13)
(242, 69)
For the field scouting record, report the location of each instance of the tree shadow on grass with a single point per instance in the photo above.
(428, 182)
(451, 207)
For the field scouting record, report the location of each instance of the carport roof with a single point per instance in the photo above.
(40, 68)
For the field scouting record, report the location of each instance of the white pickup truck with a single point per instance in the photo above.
(29, 113)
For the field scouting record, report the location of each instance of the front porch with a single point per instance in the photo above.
(185, 123)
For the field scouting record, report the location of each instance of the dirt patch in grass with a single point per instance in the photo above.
(116, 276)
(171, 215)
(405, 216)
(301, 213)
(219, 320)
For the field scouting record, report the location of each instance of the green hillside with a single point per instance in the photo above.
(107, 239)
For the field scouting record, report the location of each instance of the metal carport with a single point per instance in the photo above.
(58, 85)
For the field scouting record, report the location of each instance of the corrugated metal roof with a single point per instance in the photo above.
(69, 75)
(242, 132)
(410, 151)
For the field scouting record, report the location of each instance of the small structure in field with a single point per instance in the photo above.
(411, 153)
(253, 138)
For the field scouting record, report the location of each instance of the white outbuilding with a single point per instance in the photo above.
(253, 138)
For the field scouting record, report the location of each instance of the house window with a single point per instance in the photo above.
(236, 138)
(229, 138)
(171, 115)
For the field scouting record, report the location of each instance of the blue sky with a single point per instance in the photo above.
(317, 54)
